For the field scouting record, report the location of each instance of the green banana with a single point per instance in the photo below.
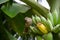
(56, 28)
(32, 28)
(59, 20)
(49, 15)
(38, 31)
(38, 7)
(49, 24)
(37, 19)
(35, 30)
(48, 36)
(43, 20)
(55, 17)
(33, 19)
(39, 37)
(59, 17)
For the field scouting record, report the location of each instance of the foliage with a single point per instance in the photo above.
(22, 20)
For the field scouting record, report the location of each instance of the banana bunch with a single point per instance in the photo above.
(39, 25)
(49, 24)
(45, 26)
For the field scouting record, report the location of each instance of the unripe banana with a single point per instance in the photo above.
(59, 18)
(56, 28)
(55, 17)
(42, 28)
(50, 17)
(43, 20)
(39, 37)
(37, 19)
(35, 30)
(48, 36)
(49, 24)
(32, 28)
(33, 19)
(38, 31)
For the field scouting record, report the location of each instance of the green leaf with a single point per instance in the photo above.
(0, 19)
(10, 36)
(56, 36)
(13, 10)
(3, 1)
(17, 23)
(5, 35)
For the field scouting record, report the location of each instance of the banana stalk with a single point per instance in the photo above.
(35, 12)
(38, 7)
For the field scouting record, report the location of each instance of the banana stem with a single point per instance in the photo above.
(38, 7)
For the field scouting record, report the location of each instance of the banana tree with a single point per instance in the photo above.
(32, 21)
